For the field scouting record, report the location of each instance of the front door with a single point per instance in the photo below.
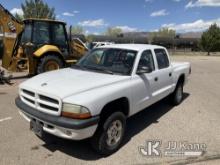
(144, 85)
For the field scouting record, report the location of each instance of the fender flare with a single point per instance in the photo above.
(45, 49)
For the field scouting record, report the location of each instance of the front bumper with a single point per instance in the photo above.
(60, 126)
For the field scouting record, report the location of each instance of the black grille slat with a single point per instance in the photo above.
(49, 107)
(45, 98)
(29, 100)
(28, 92)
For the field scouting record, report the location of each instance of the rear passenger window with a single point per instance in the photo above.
(162, 58)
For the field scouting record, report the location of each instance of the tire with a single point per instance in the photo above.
(49, 63)
(177, 95)
(101, 141)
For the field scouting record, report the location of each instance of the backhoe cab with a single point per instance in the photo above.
(37, 45)
(44, 46)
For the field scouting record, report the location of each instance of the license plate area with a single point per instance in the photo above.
(36, 127)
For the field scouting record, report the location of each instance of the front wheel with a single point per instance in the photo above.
(109, 135)
(49, 63)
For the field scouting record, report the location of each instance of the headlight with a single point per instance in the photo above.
(75, 111)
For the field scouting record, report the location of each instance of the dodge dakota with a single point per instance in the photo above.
(93, 98)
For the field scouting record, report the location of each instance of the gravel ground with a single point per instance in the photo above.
(196, 120)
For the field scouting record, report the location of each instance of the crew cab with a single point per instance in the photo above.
(93, 98)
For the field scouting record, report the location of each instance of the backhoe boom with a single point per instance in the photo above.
(11, 29)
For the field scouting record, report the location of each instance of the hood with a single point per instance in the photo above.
(67, 82)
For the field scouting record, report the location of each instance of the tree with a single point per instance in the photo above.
(210, 40)
(78, 30)
(163, 32)
(151, 37)
(36, 9)
(166, 32)
(113, 31)
(90, 38)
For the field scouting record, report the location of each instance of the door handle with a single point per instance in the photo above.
(156, 79)
(170, 74)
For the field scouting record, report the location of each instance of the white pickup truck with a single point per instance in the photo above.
(93, 98)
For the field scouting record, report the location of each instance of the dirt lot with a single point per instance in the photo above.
(196, 120)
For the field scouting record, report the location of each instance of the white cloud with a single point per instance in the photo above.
(203, 3)
(68, 14)
(75, 11)
(176, 0)
(93, 23)
(154, 30)
(127, 29)
(87, 32)
(199, 25)
(95, 33)
(148, 1)
(18, 11)
(162, 12)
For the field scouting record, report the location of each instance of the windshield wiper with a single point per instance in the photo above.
(99, 69)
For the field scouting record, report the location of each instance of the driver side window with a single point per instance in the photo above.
(147, 60)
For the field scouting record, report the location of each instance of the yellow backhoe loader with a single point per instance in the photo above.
(37, 45)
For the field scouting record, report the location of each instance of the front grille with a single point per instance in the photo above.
(41, 102)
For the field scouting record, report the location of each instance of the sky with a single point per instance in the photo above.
(132, 15)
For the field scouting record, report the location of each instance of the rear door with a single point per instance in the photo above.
(163, 77)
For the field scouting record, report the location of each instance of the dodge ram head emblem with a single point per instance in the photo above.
(44, 84)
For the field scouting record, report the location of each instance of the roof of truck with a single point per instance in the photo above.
(136, 47)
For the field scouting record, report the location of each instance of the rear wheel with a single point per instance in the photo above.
(49, 63)
(177, 95)
(109, 135)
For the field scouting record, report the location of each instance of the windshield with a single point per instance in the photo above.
(109, 60)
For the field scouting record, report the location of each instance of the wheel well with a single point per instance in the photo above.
(121, 105)
(53, 53)
(181, 79)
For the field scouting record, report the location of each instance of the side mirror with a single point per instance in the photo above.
(143, 70)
